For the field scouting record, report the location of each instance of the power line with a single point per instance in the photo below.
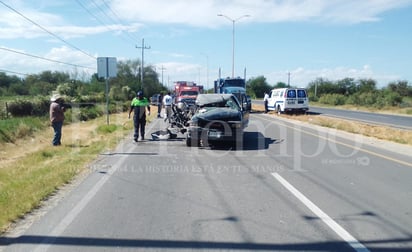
(13, 72)
(91, 13)
(118, 19)
(49, 32)
(99, 20)
(39, 57)
(102, 11)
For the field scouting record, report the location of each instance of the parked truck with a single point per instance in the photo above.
(187, 91)
(236, 86)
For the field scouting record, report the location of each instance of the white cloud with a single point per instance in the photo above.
(203, 13)
(65, 32)
(180, 71)
(22, 22)
(192, 13)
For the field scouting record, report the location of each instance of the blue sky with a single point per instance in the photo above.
(332, 39)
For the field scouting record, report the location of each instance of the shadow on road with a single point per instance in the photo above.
(199, 245)
(257, 141)
(252, 141)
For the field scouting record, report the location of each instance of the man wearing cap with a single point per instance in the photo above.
(138, 105)
(57, 118)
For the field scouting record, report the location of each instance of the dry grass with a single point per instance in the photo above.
(32, 169)
(380, 132)
(76, 134)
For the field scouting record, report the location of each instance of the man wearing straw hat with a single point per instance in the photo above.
(57, 118)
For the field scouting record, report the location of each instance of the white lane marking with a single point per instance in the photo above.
(340, 231)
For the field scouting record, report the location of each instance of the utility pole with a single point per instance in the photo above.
(143, 47)
(233, 38)
(288, 79)
(207, 71)
(162, 68)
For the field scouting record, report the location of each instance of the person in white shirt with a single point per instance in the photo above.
(167, 104)
(266, 100)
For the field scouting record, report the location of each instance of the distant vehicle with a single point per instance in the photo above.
(154, 100)
(288, 100)
(236, 86)
(218, 118)
(187, 92)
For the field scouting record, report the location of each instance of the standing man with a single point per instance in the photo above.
(159, 105)
(57, 118)
(138, 105)
(167, 103)
(266, 100)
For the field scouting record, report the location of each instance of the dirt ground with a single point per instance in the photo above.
(71, 134)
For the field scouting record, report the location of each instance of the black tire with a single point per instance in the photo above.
(188, 142)
(278, 110)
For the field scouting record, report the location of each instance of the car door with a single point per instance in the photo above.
(245, 111)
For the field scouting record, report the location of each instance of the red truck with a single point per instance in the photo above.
(187, 91)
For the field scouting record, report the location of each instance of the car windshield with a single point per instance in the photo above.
(232, 90)
(234, 83)
(218, 100)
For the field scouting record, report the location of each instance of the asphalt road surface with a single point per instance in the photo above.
(292, 188)
(395, 121)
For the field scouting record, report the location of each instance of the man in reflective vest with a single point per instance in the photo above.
(139, 105)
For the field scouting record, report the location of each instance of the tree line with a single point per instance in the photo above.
(123, 87)
(361, 92)
(31, 95)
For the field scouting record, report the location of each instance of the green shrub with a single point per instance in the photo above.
(313, 98)
(368, 98)
(82, 114)
(41, 106)
(12, 129)
(353, 99)
(20, 108)
(38, 106)
(332, 99)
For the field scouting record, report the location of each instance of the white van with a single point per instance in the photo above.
(288, 100)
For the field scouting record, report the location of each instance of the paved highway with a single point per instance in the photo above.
(396, 121)
(292, 188)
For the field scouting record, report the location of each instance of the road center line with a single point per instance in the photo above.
(339, 230)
